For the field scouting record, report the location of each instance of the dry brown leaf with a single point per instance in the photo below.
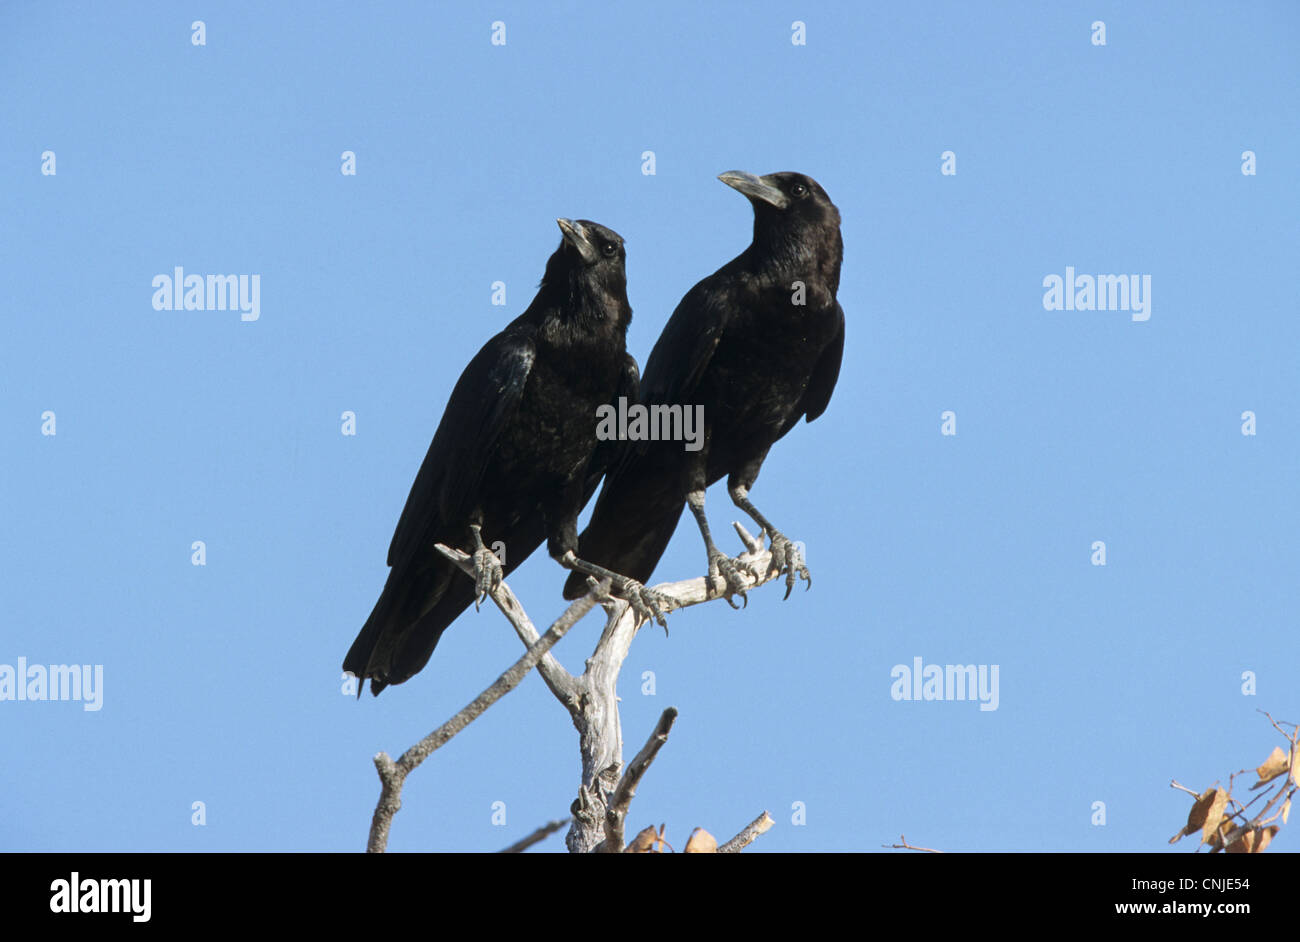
(1286, 810)
(1265, 836)
(1200, 812)
(1273, 766)
(644, 841)
(1222, 831)
(701, 842)
(1218, 801)
(1204, 816)
(1196, 817)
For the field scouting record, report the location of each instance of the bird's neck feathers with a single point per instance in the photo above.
(804, 251)
(572, 300)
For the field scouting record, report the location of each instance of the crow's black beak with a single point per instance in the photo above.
(755, 188)
(576, 234)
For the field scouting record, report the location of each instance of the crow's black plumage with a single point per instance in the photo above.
(758, 345)
(515, 457)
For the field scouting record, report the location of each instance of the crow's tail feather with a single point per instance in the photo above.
(416, 607)
(397, 640)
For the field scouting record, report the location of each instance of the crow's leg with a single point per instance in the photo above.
(720, 564)
(648, 604)
(487, 568)
(696, 481)
(785, 555)
(562, 544)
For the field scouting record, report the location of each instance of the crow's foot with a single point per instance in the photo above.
(648, 604)
(786, 558)
(730, 570)
(487, 570)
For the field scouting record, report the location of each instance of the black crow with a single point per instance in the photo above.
(757, 344)
(515, 457)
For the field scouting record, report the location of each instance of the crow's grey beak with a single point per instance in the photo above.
(575, 233)
(755, 188)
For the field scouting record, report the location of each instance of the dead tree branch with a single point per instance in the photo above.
(562, 683)
(392, 774)
(600, 738)
(616, 814)
(760, 825)
(591, 699)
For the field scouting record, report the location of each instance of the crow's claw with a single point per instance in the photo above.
(487, 574)
(786, 558)
(730, 571)
(648, 604)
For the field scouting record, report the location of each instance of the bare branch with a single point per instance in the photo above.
(760, 825)
(616, 813)
(1292, 735)
(393, 774)
(906, 846)
(541, 834)
(390, 802)
(560, 681)
(591, 699)
(1257, 822)
(690, 592)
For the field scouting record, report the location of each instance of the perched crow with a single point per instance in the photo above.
(515, 457)
(758, 345)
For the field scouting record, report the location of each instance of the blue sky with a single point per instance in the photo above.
(222, 682)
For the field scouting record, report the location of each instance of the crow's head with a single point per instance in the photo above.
(591, 244)
(789, 208)
(588, 270)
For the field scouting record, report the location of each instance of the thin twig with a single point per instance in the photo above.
(1289, 736)
(541, 834)
(1234, 835)
(906, 846)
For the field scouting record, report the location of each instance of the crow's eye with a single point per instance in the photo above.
(609, 249)
(798, 191)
